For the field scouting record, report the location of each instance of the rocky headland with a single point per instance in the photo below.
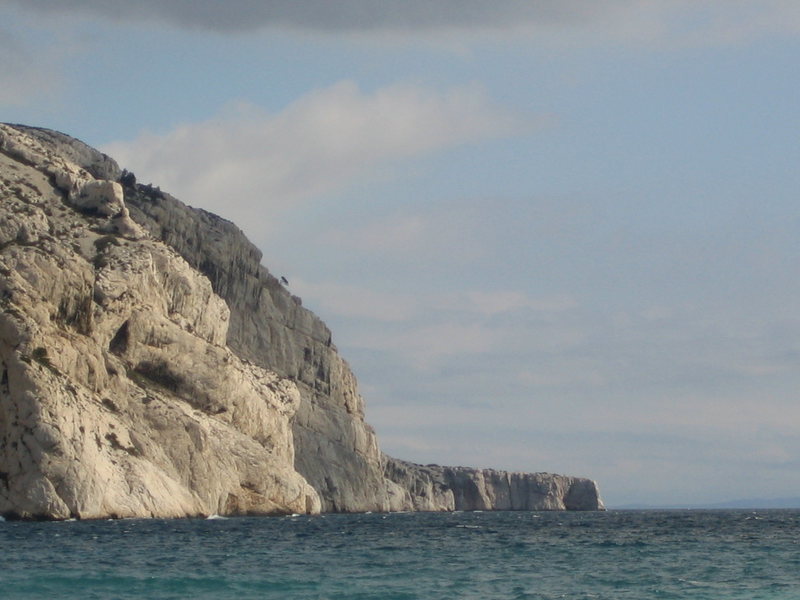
(151, 366)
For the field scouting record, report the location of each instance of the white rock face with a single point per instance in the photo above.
(151, 366)
(433, 487)
(102, 197)
(118, 395)
(336, 450)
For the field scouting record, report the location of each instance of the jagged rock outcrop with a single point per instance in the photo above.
(118, 395)
(150, 365)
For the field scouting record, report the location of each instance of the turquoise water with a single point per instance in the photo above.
(715, 555)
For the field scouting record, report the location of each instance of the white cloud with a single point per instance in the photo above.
(246, 159)
(425, 328)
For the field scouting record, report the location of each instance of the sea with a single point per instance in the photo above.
(696, 554)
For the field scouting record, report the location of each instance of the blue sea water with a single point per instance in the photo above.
(641, 555)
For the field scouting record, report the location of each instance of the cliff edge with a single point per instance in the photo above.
(151, 366)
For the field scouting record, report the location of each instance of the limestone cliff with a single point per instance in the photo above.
(336, 449)
(152, 366)
(435, 488)
(118, 395)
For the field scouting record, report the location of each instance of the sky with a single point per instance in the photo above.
(553, 235)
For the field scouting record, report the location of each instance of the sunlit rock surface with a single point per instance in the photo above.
(118, 395)
(151, 366)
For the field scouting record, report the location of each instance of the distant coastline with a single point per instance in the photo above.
(745, 503)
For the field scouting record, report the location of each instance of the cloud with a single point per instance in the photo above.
(247, 158)
(343, 15)
(688, 21)
(426, 328)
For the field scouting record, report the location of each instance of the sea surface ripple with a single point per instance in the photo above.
(641, 555)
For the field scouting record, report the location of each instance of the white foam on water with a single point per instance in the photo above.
(216, 518)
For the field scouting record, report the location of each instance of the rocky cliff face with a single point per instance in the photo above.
(150, 365)
(118, 395)
(335, 449)
(435, 488)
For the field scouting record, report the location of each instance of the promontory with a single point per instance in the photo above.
(151, 366)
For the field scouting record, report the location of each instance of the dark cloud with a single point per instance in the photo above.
(338, 16)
